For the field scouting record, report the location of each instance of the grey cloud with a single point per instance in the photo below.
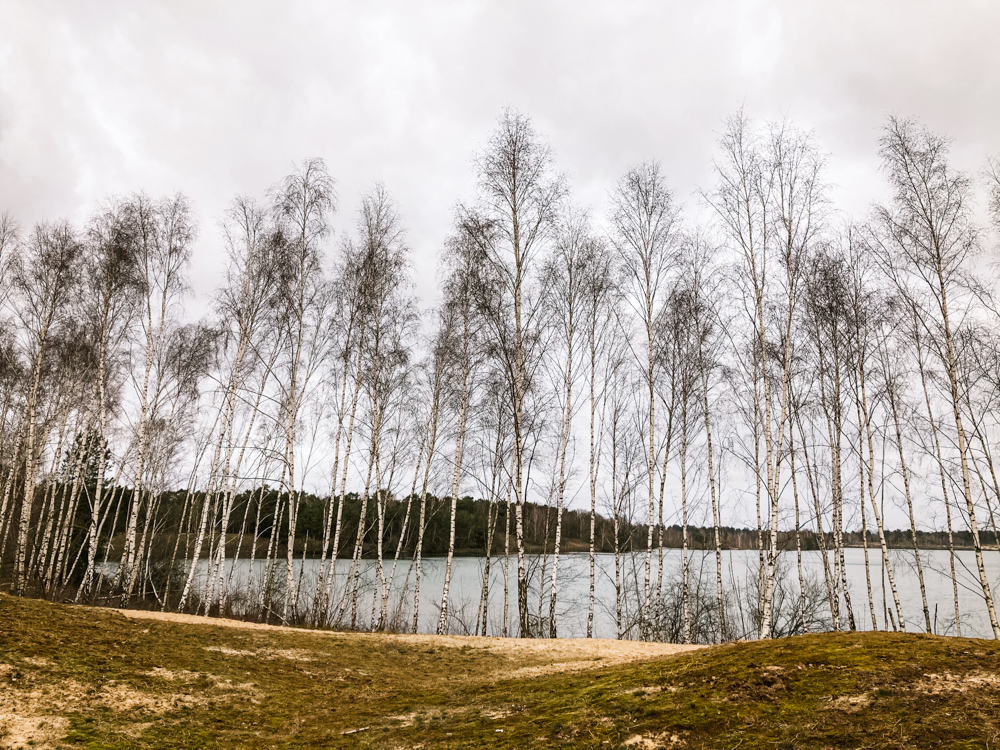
(215, 98)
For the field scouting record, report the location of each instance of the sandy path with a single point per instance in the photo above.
(566, 654)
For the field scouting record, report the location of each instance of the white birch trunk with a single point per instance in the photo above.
(442, 625)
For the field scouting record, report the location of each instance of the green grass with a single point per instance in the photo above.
(97, 679)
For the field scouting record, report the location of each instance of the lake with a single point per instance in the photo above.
(739, 571)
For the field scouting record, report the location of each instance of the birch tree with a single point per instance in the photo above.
(463, 324)
(114, 286)
(519, 196)
(243, 306)
(436, 373)
(703, 317)
(303, 204)
(828, 325)
(600, 326)
(164, 232)
(929, 233)
(574, 259)
(43, 277)
(770, 201)
(645, 231)
(865, 315)
(389, 315)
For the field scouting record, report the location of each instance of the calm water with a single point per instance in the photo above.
(739, 567)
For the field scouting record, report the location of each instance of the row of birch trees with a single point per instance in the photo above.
(754, 358)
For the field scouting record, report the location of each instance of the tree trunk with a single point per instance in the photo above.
(442, 625)
(941, 472)
(893, 407)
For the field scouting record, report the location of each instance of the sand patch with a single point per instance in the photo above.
(26, 719)
(582, 653)
(294, 654)
(498, 713)
(223, 622)
(49, 698)
(568, 649)
(934, 684)
(653, 741)
(120, 698)
(34, 715)
(231, 651)
(166, 674)
(562, 666)
(21, 730)
(851, 703)
(135, 731)
(226, 686)
(576, 655)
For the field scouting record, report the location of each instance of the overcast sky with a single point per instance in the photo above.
(214, 99)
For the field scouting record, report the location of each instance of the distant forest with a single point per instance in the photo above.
(472, 521)
(471, 527)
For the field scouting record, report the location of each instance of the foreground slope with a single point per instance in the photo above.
(96, 678)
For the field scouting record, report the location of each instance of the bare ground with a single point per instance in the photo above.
(562, 654)
(34, 709)
(86, 677)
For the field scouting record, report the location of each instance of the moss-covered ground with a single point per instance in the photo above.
(91, 678)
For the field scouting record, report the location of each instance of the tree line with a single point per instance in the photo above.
(669, 372)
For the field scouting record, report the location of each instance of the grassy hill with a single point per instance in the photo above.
(96, 678)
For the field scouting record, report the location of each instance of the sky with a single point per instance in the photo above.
(215, 99)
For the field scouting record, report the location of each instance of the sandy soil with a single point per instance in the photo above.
(567, 654)
(35, 715)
